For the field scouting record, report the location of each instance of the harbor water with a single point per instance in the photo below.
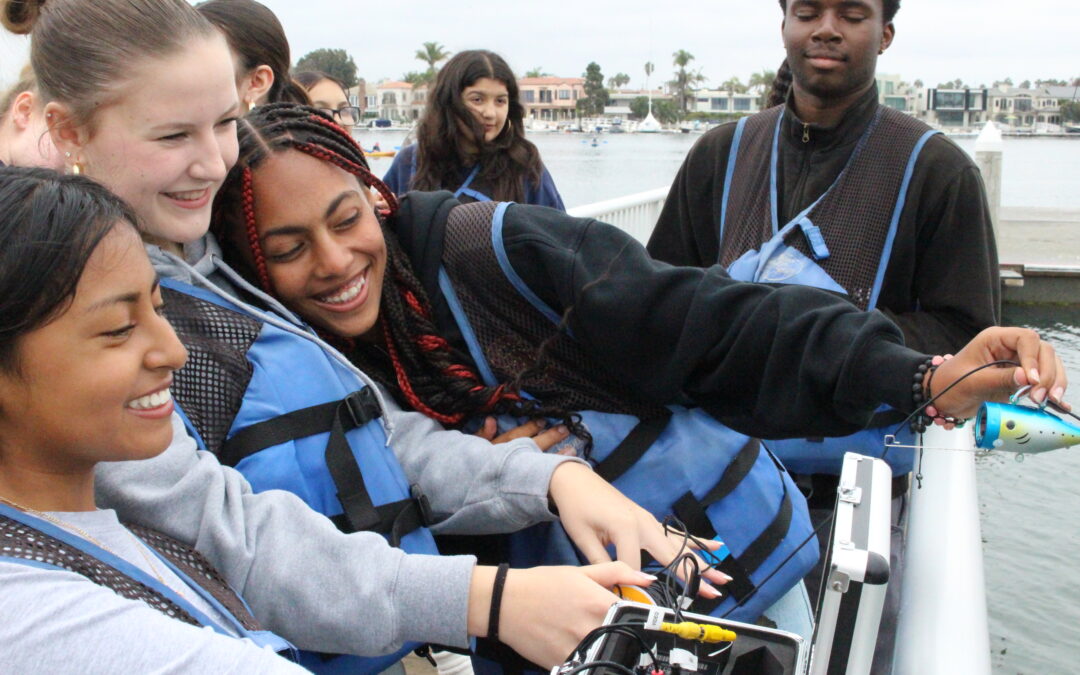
(1030, 528)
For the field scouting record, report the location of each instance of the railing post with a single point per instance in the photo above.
(989, 149)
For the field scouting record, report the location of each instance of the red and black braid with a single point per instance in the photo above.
(420, 366)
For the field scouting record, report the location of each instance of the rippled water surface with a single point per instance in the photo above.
(1031, 527)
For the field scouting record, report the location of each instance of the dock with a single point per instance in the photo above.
(1039, 251)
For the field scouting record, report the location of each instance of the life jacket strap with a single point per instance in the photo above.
(394, 520)
(692, 512)
(633, 447)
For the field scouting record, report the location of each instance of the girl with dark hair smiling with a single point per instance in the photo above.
(471, 139)
(86, 366)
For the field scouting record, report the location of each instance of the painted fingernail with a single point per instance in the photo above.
(562, 429)
(646, 577)
(708, 591)
(1058, 393)
(1033, 374)
(1039, 395)
(723, 576)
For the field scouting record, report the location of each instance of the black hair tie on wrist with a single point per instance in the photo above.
(496, 601)
(925, 371)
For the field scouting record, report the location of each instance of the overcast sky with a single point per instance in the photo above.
(978, 41)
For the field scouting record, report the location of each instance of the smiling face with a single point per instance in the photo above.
(93, 384)
(832, 46)
(324, 249)
(489, 102)
(168, 141)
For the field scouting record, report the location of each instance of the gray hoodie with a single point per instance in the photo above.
(323, 590)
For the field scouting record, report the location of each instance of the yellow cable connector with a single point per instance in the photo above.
(698, 632)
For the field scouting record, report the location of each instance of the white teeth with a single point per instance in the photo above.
(346, 295)
(190, 195)
(150, 401)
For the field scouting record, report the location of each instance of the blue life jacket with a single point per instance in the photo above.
(300, 420)
(671, 460)
(842, 243)
(32, 541)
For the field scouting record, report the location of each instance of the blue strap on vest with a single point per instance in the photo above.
(283, 438)
(776, 262)
(470, 192)
(261, 638)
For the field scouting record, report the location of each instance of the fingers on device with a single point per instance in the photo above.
(645, 639)
(643, 636)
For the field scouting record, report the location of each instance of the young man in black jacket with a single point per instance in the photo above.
(899, 214)
(940, 283)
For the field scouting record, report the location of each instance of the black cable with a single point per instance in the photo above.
(620, 628)
(600, 664)
(920, 408)
(779, 567)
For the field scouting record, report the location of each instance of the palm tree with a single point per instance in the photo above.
(684, 79)
(765, 79)
(734, 85)
(432, 53)
(618, 80)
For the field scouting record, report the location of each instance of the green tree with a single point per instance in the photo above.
(596, 96)
(334, 62)
(537, 72)
(1070, 111)
(1026, 84)
(685, 80)
(733, 84)
(665, 112)
(763, 79)
(415, 77)
(618, 81)
(431, 53)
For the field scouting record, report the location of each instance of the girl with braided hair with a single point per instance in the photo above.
(517, 301)
(471, 138)
(152, 116)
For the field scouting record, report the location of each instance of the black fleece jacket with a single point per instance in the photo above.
(768, 361)
(941, 284)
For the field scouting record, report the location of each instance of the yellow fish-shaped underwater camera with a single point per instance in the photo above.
(1022, 429)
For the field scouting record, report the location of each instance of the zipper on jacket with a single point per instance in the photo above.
(805, 133)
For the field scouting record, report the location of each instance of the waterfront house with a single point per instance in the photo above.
(552, 99)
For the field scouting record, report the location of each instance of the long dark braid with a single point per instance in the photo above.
(423, 370)
(781, 85)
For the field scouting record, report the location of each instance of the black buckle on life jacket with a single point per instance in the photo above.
(362, 407)
(427, 519)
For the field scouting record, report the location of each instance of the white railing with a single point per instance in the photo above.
(943, 626)
(634, 214)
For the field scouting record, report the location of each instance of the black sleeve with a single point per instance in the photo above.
(952, 289)
(687, 231)
(769, 361)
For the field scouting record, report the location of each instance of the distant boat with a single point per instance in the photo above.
(649, 125)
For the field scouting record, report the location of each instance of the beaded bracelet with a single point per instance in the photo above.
(924, 376)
